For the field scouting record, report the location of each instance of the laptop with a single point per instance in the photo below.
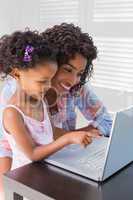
(104, 156)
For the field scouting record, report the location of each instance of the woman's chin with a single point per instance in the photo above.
(62, 90)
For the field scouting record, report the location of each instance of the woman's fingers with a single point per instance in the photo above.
(88, 139)
(96, 131)
(93, 134)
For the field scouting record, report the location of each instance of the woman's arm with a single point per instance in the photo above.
(93, 110)
(58, 132)
(14, 124)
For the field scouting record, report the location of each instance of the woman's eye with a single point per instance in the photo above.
(68, 70)
(80, 74)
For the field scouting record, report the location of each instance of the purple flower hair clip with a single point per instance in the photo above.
(28, 50)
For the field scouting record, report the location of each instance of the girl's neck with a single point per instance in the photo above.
(29, 105)
(22, 99)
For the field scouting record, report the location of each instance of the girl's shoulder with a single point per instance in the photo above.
(11, 112)
(11, 109)
(11, 117)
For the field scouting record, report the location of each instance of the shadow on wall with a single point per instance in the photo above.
(1, 84)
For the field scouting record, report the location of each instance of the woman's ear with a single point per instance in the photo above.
(15, 73)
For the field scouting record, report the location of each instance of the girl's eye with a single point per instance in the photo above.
(43, 82)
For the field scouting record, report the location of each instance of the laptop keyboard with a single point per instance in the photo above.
(95, 158)
(90, 158)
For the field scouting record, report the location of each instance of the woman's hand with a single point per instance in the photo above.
(95, 131)
(91, 129)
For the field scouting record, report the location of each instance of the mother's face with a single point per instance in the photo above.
(69, 74)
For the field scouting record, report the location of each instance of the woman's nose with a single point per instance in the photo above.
(73, 80)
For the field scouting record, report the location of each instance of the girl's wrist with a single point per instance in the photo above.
(65, 139)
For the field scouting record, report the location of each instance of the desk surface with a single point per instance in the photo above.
(46, 180)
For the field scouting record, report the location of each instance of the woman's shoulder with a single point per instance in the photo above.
(86, 89)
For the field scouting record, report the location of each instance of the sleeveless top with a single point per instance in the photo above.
(40, 132)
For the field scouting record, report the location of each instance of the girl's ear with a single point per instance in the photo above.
(15, 73)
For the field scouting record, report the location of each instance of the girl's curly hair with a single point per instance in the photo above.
(13, 49)
(69, 39)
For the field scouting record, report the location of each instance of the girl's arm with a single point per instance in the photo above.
(58, 132)
(14, 124)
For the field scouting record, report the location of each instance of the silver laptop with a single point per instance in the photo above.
(105, 156)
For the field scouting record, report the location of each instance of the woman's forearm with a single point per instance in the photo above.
(58, 132)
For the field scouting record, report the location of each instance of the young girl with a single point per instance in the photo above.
(75, 60)
(31, 61)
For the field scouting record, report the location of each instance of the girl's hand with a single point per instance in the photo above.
(82, 138)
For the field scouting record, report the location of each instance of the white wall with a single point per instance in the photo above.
(16, 14)
(114, 99)
(6, 16)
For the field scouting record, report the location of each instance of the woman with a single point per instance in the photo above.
(75, 57)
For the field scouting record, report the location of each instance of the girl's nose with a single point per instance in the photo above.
(46, 87)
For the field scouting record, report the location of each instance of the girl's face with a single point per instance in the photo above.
(35, 82)
(69, 74)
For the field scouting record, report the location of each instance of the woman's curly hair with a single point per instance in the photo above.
(70, 40)
(13, 47)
